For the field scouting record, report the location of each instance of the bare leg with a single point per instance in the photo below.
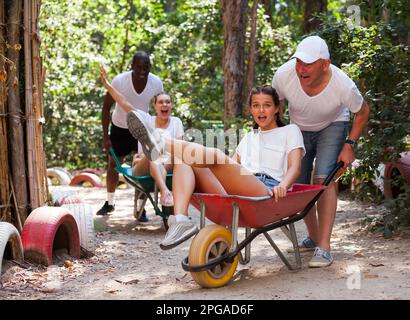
(140, 165)
(112, 175)
(234, 178)
(159, 174)
(186, 179)
(326, 208)
(312, 224)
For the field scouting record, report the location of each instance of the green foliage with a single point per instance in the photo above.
(380, 66)
(184, 40)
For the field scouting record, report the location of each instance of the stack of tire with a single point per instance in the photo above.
(82, 213)
(69, 225)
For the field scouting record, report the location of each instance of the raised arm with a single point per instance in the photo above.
(115, 94)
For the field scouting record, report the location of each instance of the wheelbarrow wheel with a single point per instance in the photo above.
(212, 242)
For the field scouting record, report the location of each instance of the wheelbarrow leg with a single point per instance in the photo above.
(138, 209)
(279, 253)
(235, 223)
(247, 258)
(294, 240)
(156, 194)
(202, 216)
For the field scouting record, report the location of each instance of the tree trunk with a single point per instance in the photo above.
(234, 20)
(251, 58)
(269, 5)
(16, 114)
(312, 8)
(4, 164)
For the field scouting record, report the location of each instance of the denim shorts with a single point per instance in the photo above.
(268, 181)
(323, 148)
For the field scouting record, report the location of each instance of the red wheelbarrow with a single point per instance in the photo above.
(215, 251)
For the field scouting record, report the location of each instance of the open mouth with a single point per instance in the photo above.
(164, 112)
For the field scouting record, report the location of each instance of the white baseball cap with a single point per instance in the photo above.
(311, 49)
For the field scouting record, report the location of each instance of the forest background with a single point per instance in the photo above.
(190, 45)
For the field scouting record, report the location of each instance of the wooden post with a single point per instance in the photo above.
(5, 213)
(17, 145)
(30, 132)
(39, 164)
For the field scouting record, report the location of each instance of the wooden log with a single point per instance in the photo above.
(41, 181)
(16, 138)
(5, 214)
(30, 132)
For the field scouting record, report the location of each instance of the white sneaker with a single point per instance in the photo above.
(321, 258)
(151, 141)
(177, 233)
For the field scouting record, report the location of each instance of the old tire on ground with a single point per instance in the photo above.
(59, 192)
(90, 170)
(212, 242)
(68, 200)
(62, 177)
(393, 170)
(68, 173)
(79, 179)
(47, 229)
(10, 243)
(83, 214)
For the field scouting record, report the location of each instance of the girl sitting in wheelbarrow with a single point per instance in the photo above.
(267, 161)
(164, 122)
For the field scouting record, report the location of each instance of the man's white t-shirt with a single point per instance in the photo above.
(317, 112)
(267, 151)
(123, 83)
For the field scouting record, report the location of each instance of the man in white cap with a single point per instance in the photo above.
(320, 97)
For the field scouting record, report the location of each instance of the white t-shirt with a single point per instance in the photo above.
(267, 151)
(317, 112)
(175, 127)
(123, 83)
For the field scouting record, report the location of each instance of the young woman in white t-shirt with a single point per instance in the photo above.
(266, 162)
(166, 124)
(173, 128)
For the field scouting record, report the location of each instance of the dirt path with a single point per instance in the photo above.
(130, 265)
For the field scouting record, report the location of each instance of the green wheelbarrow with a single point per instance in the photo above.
(144, 186)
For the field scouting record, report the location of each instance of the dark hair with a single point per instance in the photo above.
(141, 56)
(269, 90)
(160, 94)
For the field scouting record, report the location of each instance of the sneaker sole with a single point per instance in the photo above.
(173, 245)
(137, 129)
(319, 264)
(105, 213)
(301, 250)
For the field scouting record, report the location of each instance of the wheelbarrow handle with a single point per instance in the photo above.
(331, 175)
